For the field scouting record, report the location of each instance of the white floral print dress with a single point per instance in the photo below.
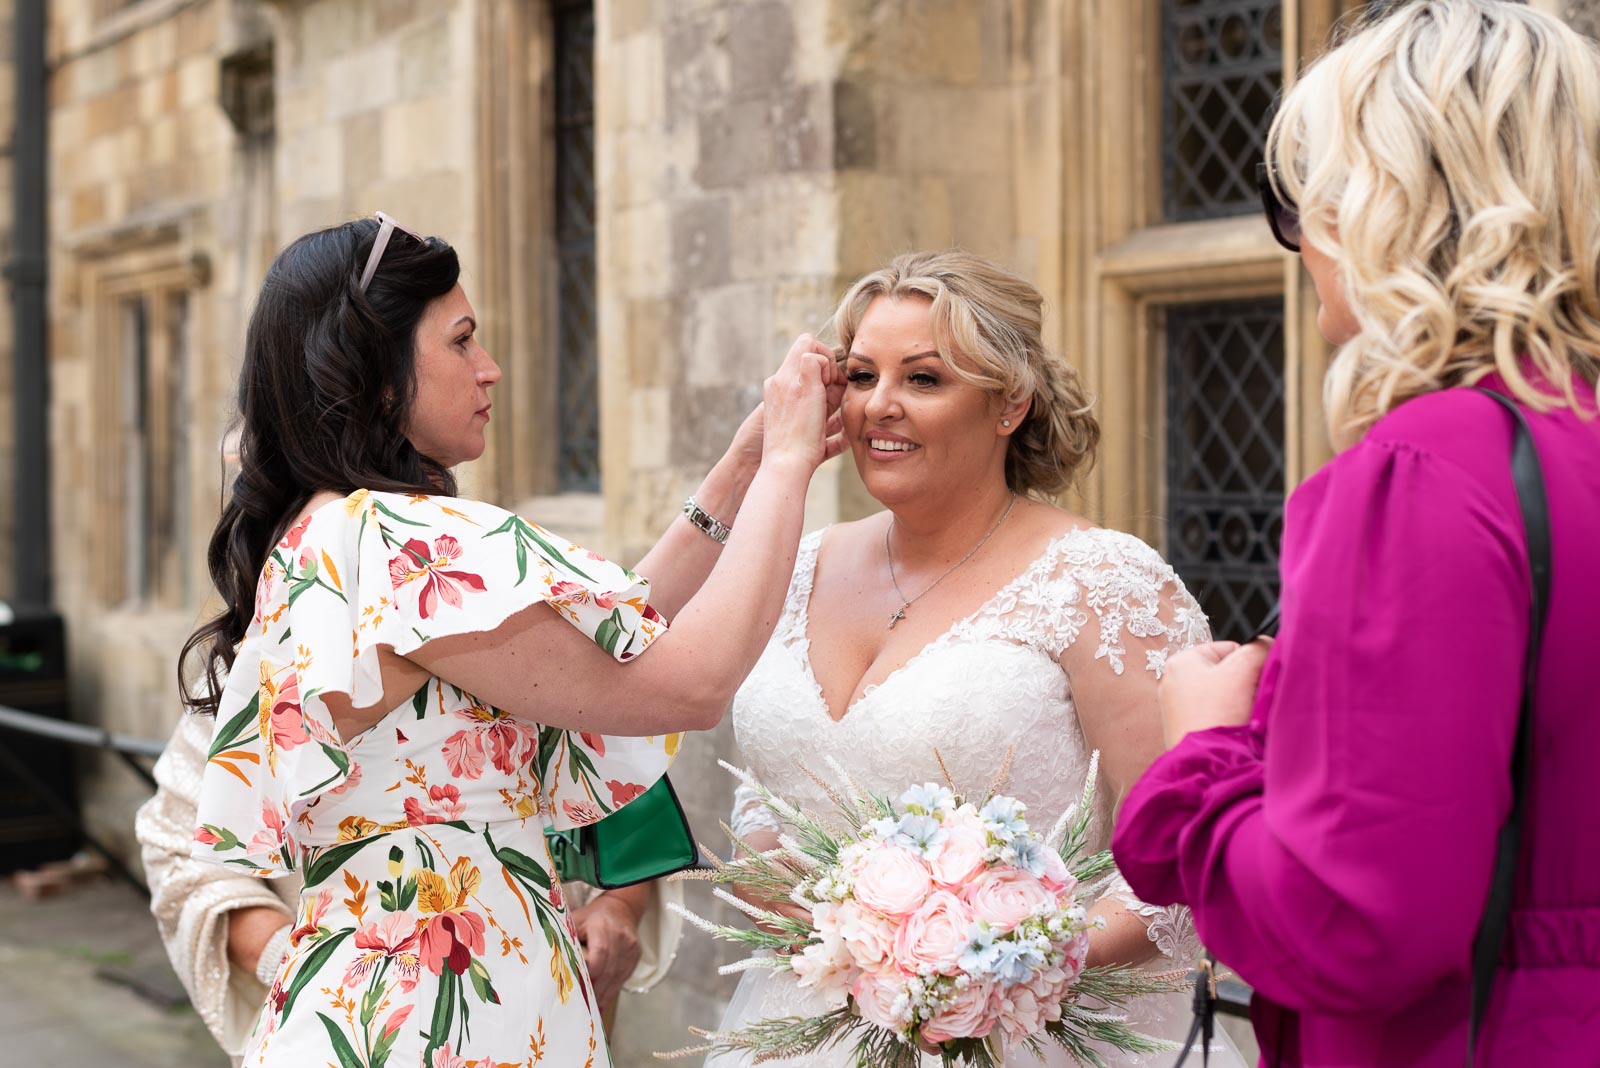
(431, 928)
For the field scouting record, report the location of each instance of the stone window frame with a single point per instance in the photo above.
(156, 270)
(1131, 262)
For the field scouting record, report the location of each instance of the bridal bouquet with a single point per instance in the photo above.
(932, 919)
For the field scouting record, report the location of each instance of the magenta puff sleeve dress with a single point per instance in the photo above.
(1336, 850)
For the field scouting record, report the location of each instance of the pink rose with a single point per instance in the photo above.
(1077, 955)
(961, 856)
(826, 965)
(1004, 897)
(1024, 1009)
(876, 994)
(1056, 876)
(971, 1015)
(868, 936)
(892, 881)
(933, 937)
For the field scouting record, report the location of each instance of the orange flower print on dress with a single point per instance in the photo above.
(451, 935)
(438, 584)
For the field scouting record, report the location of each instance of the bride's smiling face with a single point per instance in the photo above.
(916, 429)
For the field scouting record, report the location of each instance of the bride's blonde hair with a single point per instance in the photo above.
(995, 319)
(1447, 158)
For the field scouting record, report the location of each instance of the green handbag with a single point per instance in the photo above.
(648, 838)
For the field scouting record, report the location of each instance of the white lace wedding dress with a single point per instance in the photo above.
(992, 682)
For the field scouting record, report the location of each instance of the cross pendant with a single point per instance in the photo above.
(899, 614)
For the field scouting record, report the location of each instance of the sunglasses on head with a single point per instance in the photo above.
(386, 228)
(1282, 215)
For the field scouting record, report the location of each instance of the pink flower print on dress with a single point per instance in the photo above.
(623, 792)
(269, 838)
(438, 584)
(288, 724)
(291, 540)
(582, 812)
(597, 742)
(443, 805)
(443, 1058)
(573, 593)
(495, 736)
(393, 938)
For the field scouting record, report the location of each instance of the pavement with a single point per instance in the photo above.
(84, 982)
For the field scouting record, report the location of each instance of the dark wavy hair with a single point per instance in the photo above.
(325, 391)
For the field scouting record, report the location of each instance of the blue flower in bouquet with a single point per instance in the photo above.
(929, 799)
(1003, 817)
(982, 952)
(920, 834)
(1027, 852)
(884, 829)
(1016, 960)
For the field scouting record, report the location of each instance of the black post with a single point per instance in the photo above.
(27, 273)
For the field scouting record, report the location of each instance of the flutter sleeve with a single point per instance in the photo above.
(383, 569)
(1336, 850)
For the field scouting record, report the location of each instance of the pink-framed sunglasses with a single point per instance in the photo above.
(386, 228)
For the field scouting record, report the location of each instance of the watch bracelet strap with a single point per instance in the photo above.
(713, 527)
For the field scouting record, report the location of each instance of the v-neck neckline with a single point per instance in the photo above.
(1052, 547)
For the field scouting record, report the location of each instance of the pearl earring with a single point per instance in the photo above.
(1005, 422)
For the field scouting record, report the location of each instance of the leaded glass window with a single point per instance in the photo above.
(1221, 64)
(577, 361)
(1225, 460)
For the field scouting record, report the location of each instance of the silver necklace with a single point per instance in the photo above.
(906, 602)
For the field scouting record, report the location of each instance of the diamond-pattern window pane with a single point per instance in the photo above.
(1221, 65)
(1225, 465)
(577, 365)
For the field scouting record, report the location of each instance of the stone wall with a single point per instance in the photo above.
(151, 186)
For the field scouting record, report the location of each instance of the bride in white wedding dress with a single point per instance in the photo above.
(969, 618)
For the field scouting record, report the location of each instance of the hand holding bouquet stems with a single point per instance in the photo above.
(932, 922)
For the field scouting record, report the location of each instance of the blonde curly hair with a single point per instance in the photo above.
(993, 318)
(1447, 158)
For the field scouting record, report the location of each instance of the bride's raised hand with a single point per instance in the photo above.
(796, 421)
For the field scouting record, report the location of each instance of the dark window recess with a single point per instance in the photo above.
(577, 362)
(1221, 68)
(1225, 464)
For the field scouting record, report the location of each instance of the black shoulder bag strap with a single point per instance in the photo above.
(1490, 939)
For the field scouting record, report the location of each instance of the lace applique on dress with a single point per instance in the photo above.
(992, 682)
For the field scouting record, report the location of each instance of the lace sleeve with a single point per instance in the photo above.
(750, 815)
(1121, 595)
(1132, 612)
